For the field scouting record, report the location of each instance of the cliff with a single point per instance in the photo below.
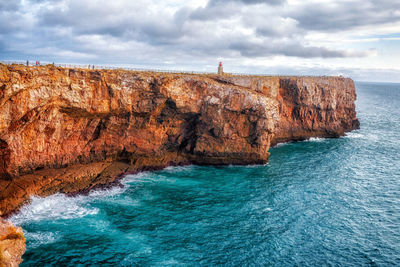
(71, 130)
(315, 107)
(12, 244)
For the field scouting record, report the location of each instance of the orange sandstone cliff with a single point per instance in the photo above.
(71, 130)
(12, 244)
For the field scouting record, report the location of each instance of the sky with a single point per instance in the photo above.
(354, 38)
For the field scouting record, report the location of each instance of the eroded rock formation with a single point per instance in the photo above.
(70, 130)
(12, 244)
(315, 107)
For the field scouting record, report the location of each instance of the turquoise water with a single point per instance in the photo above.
(318, 202)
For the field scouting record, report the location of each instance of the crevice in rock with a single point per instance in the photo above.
(190, 134)
(102, 125)
(5, 153)
(252, 139)
(169, 111)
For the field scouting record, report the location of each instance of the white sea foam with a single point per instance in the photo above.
(247, 166)
(353, 135)
(57, 206)
(358, 135)
(142, 176)
(257, 165)
(311, 139)
(315, 139)
(60, 206)
(147, 177)
(280, 144)
(175, 169)
(116, 190)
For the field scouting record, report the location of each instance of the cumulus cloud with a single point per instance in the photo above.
(345, 14)
(249, 49)
(248, 2)
(9, 5)
(122, 31)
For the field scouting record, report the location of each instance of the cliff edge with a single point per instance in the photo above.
(71, 130)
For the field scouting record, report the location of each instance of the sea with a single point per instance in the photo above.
(321, 202)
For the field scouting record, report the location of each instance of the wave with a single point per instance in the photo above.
(358, 135)
(315, 139)
(115, 190)
(311, 139)
(248, 166)
(175, 169)
(141, 176)
(60, 206)
(353, 135)
(280, 144)
(55, 207)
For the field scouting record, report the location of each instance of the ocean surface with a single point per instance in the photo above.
(322, 202)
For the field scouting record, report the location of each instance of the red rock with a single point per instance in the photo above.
(70, 130)
(315, 107)
(12, 244)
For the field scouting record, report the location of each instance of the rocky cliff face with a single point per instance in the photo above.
(315, 107)
(71, 130)
(68, 130)
(12, 244)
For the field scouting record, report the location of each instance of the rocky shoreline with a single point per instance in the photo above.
(73, 130)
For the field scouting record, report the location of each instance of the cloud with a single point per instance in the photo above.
(249, 49)
(232, 26)
(344, 14)
(189, 32)
(247, 2)
(9, 5)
